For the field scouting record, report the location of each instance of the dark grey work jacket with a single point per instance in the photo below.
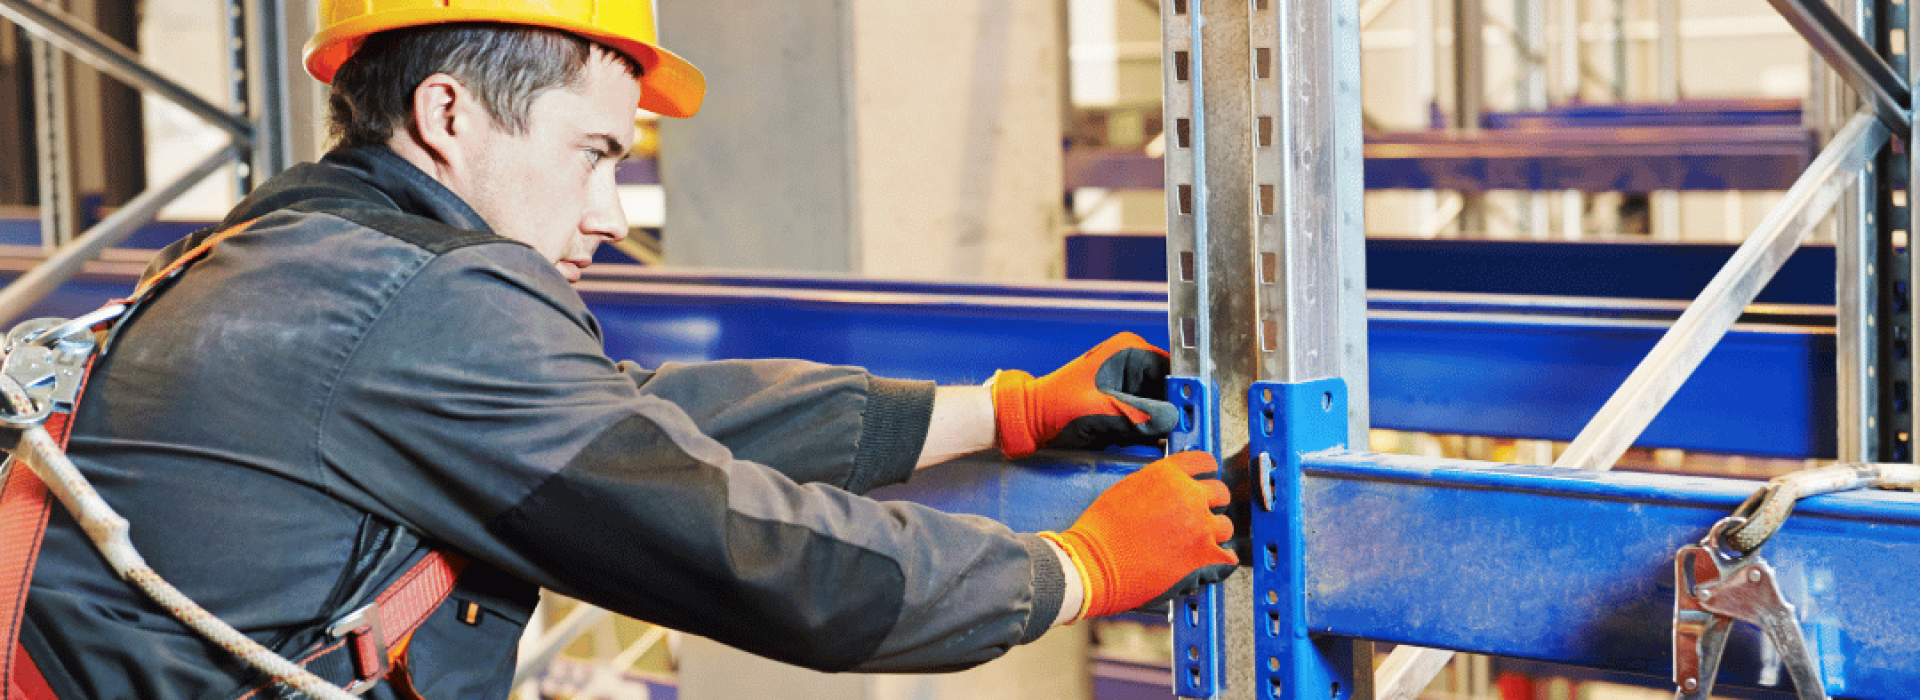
(368, 372)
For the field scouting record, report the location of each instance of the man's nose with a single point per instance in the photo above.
(605, 218)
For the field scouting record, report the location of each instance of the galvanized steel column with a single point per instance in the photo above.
(1898, 178)
(1858, 259)
(1208, 187)
(53, 131)
(261, 83)
(1308, 276)
(1266, 281)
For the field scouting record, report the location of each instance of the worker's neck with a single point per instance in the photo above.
(412, 151)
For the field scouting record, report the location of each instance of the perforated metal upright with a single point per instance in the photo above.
(1875, 315)
(257, 50)
(53, 126)
(1266, 311)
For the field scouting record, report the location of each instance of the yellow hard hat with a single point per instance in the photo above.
(670, 86)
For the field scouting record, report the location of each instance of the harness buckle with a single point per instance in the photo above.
(366, 639)
(46, 361)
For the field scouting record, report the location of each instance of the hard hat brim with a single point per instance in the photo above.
(669, 85)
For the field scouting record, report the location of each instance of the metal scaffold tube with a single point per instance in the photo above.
(107, 55)
(1856, 61)
(1674, 358)
(24, 292)
(264, 63)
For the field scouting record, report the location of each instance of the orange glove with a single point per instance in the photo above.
(1113, 395)
(1153, 535)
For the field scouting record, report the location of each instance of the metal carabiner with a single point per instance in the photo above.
(46, 358)
(1716, 585)
(1699, 634)
(77, 327)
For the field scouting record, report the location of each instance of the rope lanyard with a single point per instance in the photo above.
(41, 379)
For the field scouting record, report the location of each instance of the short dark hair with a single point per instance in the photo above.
(506, 66)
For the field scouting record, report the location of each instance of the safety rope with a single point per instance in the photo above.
(1767, 509)
(108, 531)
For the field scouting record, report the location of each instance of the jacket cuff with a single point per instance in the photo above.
(1049, 587)
(892, 432)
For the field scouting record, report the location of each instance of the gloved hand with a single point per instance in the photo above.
(1113, 395)
(1153, 535)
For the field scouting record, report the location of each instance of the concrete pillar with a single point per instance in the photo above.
(866, 136)
(882, 138)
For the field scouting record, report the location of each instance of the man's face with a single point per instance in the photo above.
(553, 187)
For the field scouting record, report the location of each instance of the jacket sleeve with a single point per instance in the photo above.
(813, 422)
(480, 410)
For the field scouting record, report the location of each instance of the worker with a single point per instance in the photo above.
(379, 357)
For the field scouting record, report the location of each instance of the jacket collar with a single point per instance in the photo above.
(406, 186)
(369, 176)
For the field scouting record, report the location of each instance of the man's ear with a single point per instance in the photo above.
(443, 111)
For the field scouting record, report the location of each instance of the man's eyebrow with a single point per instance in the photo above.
(612, 145)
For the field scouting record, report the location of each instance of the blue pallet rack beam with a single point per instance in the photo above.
(1690, 145)
(1683, 113)
(1437, 365)
(1614, 268)
(1417, 549)
(1633, 159)
(1766, 391)
(1576, 567)
(1591, 159)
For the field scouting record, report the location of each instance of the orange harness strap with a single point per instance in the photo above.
(24, 507)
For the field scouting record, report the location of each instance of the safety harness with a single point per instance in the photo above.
(41, 379)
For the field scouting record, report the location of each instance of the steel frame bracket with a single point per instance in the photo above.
(1196, 619)
(1287, 422)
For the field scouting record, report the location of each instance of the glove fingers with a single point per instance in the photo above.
(1095, 432)
(1150, 415)
(1188, 585)
(1141, 371)
(1217, 494)
(1124, 340)
(1193, 462)
(1112, 395)
(1135, 415)
(1223, 531)
(1152, 528)
(1136, 379)
(1209, 575)
(1134, 371)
